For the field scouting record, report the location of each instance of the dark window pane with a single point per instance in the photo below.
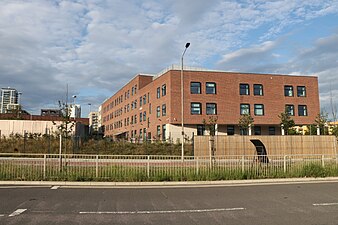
(195, 88)
(244, 89)
(210, 88)
(258, 89)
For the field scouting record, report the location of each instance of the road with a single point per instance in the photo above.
(311, 203)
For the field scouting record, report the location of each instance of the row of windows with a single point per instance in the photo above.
(231, 130)
(196, 108)
(164, 110)
(195, 88)
(164, 91)
(288, 91)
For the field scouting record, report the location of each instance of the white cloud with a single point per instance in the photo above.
(96, 46)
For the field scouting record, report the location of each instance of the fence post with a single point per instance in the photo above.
(243, 163)
(97, 166)
(197, 166)
(323, 161)
(284, 162)
(44, 166)
(148, 166)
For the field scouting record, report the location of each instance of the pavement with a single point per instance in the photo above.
(172, 183)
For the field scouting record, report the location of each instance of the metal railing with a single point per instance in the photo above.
(73, 167)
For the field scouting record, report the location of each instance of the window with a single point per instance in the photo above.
(135, 118)
(164, 90)
(140, 101)
(272, 131)
(244, 89)
(302, 110)
(195, 88)
(230, 130)
(257, 130)
(140, 133)
(164, 110)
(200, 130)
(196, 108)
(144, 99)
(210, 88)
(158, 95)
(245, 109)
(243, 131)
(144, 116)
(158, 111)
(158, 131)
(141, 117)
(163, 132)
(135, 89)
(211, 109)
(132, 91)
(258, 89)
(290, 110)
(301, 91)
(288, 91)
(259, 110)
(144, 133)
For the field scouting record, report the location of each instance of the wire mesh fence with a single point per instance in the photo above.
(72, 167)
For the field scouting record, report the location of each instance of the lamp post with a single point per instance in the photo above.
(182, 100)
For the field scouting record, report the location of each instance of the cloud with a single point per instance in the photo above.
(96, 46)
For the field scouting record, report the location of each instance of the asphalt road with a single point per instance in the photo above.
(312, 203)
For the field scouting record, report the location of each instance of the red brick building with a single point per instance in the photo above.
(150, 106)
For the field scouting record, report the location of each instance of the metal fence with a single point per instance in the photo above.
(73, 167)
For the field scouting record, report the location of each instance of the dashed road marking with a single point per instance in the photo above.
(325, 204)
(166, 211)
(17, 212)
(55, 187)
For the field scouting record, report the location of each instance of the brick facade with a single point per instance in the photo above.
(117, 115)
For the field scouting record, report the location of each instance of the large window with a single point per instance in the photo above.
(144, 99)
(164, 128)
(158, 111)
(210, 88)
(164, 90)
(230, 130)
(288, 90)
(211, 109)
(164, 110)
(259, 110)
(144, 116)
(158, 93)
(196, 108)
(200, 130)
(257, 130)
(272, 131)
(290, 109)
(195, 88)
(302, 110)
(245, 109)
(301, 91)
(158, 131)
(258, 89)
(244, 89)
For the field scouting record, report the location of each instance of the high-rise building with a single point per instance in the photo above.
(9, 99)
(93, 122)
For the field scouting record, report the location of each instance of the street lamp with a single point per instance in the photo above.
(182, 99)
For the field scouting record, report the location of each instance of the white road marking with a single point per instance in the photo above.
(325, 204)
(17, 212)
(166, 211)
(1, 215)
(55, 187)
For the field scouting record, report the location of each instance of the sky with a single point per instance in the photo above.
(95, 46)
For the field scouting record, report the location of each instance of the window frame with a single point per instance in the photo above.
(214, 109)
(193, 87)
(158, 93)
(287, 91)
(259, 88)
(193, 107)
(246, 89)
(287, 106)
(241, 109)
(158, 111)
(256, 109)
(164, 109)
(301, 91)
(209, 88)
(302, 108)
(164, 90)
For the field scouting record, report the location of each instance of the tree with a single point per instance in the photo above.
(286, 121)
(211, 125)
(245, 122)
(321, 122)
(66, 126)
